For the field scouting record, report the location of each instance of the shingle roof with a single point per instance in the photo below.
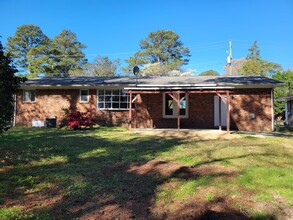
(162, 82)
(78, 81)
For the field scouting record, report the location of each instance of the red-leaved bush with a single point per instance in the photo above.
(77, 119)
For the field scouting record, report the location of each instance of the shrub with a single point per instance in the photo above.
(76, 119)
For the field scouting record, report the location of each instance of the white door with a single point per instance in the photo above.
(216, 111)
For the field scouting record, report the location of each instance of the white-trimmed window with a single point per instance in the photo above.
(112, 99)
(29, 96)
(170, 107)
(84, 95)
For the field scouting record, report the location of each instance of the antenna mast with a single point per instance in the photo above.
(229, 58)
(230, 55)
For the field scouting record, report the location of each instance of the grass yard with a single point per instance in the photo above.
(109, 173)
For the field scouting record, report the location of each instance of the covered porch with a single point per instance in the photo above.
(179, 104)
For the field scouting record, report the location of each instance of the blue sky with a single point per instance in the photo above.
(114, 28)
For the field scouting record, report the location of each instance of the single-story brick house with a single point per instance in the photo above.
(199, 102)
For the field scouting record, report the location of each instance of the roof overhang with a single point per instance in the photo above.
(199, 87)
(84, 86)
(175, 88)
(153, 83)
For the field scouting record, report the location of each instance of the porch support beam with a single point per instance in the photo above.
(135, 116)
(178, 111)
(134, 99)
(222, 97)
(220, 114)
(130, 111)
(206, 91)
(173, 97)
(144, 92)
(168, 92)
(135, 109)
(228, 111)
(177, 100)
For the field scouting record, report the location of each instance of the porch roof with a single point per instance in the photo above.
(160, 82)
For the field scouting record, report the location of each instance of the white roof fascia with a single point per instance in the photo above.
(69, 86)
(174, 85)
(234, 85)
(176, 88)
(258, 86)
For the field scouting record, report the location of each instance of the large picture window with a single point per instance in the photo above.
(112, 99)
(170, 107)
(29, 95)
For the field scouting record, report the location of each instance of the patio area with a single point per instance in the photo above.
(198, 134)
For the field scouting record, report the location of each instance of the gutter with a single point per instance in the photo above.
(176, 88)
(71, 86)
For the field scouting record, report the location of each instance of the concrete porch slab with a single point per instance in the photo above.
(199, 134)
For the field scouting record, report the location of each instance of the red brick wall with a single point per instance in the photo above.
(247, 101)
(49, 103)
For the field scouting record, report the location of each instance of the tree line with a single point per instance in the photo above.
(162, 53)
(35, 53)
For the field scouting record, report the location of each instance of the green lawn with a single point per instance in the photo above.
(108, 173)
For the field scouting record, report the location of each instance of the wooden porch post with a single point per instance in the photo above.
(135, 114)
(228, 110)
(220, 113)
(130, 110)
(177, 100)
(178, 112)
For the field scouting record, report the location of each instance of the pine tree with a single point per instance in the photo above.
(26, 37)
(161, 47)
(255, 65)
(8, 87)
(66, 54)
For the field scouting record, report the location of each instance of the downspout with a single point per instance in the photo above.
(14, 110)
(272, 109)
(286, 111)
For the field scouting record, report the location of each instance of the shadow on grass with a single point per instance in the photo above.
(88, 170)
(83, 174)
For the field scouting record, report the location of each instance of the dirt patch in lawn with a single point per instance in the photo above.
(172, 169)
(191, 207)
(137, 205)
